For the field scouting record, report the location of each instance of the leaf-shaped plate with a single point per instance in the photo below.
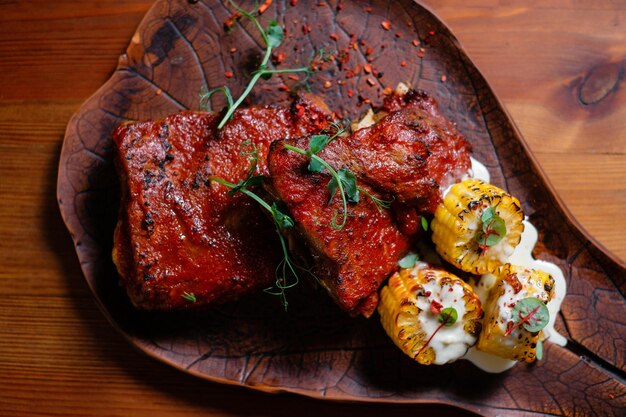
(316, 350)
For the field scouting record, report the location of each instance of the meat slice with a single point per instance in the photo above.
(181, 240)
(413, 152)
(407, 156)
(351, 262)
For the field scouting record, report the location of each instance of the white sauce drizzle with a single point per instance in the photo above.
(450, 342)
(522, 255)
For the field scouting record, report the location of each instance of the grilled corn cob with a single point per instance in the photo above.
(477, 226)
(503, 334)
(411, 308)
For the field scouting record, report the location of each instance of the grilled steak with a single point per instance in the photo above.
(406, 156)
(181, 240)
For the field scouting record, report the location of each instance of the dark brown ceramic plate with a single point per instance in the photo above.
(315, 350)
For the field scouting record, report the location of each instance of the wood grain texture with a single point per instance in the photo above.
(58, 355)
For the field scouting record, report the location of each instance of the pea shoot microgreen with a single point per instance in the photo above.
(189, 296)
(286, 271)
(539, 350)
(272, 38)
(530, 313)
(493, 230)
(342, 179)
(408, 261)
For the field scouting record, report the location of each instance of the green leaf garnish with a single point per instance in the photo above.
(493, 230)
(282, 220)
(189, 296)
(348, 180)
(531, 313)
(317, 143)
(205, 97)
(274, 34)
(248, 182)
(424, 223)
(448, 316)
(408, 261)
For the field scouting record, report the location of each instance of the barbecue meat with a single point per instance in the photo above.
(350, 262)
(180, 236)
(408, 155)
(413, 152)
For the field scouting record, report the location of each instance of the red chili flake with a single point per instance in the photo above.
(233, 50)
(416, 43)
(443, 78)
(228, 74)
(436, 307)
(340, 6)
(367, 68)
(158, 92)
(354, 72)
(334, 36)
(354, 46)
(431, 33)
(371, 82)
(327, 84)
(293, 77)
(612, 396)
(278, 57)
(420, 54)
(228, 24)
(283, 87)
(300, 109)
(368, 9)
(350, 92)
(386, 24)
(321, 4)
(398, 35)
(306, 29)
(362, 42)
(387, 91)
(403, 63)
(293, 2)
(263, 7)
(369, 50)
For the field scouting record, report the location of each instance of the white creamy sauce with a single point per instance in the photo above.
(449, 342)
(522, 255)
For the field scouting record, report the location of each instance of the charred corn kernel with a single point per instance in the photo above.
(460, 234)
(410, 308)
(499, 336)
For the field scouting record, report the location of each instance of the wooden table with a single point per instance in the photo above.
(58, 355)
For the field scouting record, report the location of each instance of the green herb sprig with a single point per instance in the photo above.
(530, 313)
(342, 179)
(189, 296)
(272, 38)
(286, 272)
(493, 230)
